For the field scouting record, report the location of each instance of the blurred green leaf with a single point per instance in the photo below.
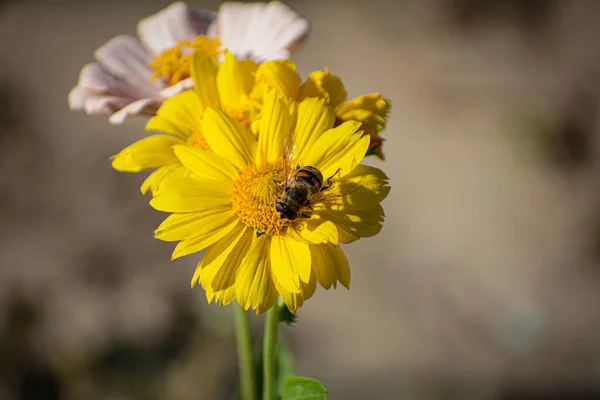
(300, 388)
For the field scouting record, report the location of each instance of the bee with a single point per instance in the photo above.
(305, 187)
(300, 191)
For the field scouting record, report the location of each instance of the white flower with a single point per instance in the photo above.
(122, 83)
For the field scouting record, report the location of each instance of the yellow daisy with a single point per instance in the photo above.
(237, 88)
(227, 203)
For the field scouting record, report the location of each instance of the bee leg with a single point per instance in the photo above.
(329, 180)
(297, 167)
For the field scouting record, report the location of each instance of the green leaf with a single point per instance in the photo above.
(300, 388)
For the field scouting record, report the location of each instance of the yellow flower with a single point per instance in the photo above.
(224, 201)
(237, 88)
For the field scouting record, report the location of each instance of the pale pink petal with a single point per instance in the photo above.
(164, 29)
(124, 57)
(98, 80)
(289, 35)
(259, 31)
(77, 97)
(236, 21)
(275, 53)
(143, 106)
(279, 27)
(179, 87)
(104, 105)
(213, 29)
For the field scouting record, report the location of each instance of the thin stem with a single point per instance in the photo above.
(246, 360)
(269, 352)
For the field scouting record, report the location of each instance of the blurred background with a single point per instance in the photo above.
(483, 284)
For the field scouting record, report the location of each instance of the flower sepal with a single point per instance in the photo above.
(285, 315)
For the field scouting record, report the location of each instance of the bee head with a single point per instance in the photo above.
(285, 211)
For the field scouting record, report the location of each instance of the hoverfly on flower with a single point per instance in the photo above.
(223, 198)
(304, 187)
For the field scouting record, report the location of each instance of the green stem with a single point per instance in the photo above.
(246, 360)
(269, 352)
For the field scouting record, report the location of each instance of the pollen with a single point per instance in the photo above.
(255, 194)
(173, 64)
(247, 111)
(198, 140)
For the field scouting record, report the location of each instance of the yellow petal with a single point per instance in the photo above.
(308, 289)
(314, 230)
(216, 254)
(278, 75)
(152, 181)
(151, 152)
(190, 194)
(338, 148)
(373, 185)
(254, 285)
(293, 301)
(371, 109)
(325, 85)
(220, 269)
(347, 231)
(170, 171)
(323, 266)
(357, 214)
(276, 124)
(221, 297)
(179, 115)
(228, 138)
(330, 265)
(197, 243)
(206, 164)
(290, 262)
(204, 71)
(235, 80)
(225, 276)
(181, 226)
(314, 118)
(341, 264)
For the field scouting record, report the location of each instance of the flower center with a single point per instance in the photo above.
(173, 64)
(197, 140)
(255, 193)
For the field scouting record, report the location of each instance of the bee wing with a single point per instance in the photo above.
(288, 157)
(336, 191)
